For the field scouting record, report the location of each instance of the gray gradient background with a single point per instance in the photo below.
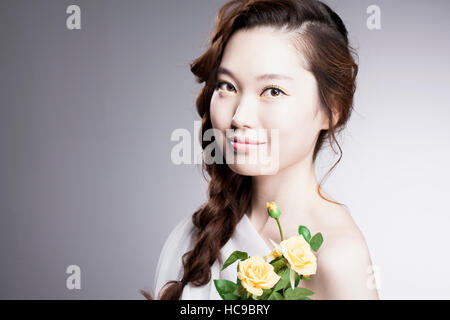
(86, 118)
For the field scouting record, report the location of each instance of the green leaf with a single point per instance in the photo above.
(225, 288)
(229, 296)
(284, 281)
(276, 259)
(236, 255)
(239, 290)
(275, 296)
(278, 264)
(304, 231)
(297, 279)
(244, 295)
(316, 241)
(265, 295)
(297, 293)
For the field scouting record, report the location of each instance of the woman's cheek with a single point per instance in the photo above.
(220, 113)
(220, 121)
(216, 119)
(295, 135)
(283, 122)
(213, 110)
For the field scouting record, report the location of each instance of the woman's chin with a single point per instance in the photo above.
(247, 169)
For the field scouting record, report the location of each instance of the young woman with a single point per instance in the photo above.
(272, 64)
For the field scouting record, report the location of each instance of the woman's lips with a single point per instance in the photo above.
(243, 144)
(246, 140)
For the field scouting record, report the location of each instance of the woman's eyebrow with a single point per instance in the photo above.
(269, 76)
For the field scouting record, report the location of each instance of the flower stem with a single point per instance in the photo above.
(279, 227)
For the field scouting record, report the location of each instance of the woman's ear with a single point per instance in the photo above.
(326, 120)
(335, 116)
(335, 112)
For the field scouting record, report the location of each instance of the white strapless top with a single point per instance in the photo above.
(170, 267)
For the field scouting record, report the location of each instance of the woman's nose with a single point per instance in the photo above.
(245, 115)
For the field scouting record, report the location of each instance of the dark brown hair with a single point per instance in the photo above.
(322, 38)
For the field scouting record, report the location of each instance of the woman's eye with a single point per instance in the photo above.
(274, 92)
(224, 86)
(227, 87)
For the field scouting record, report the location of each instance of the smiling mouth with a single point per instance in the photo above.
(245, 140)
(244, 145)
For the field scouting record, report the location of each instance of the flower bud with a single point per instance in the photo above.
(273, 210)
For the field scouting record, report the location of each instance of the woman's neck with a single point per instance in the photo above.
(293, 188)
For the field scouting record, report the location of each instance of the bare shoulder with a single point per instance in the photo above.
(344, 258)
(343, 236)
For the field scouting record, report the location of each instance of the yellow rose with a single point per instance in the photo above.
(273, 255)
(299, 255)
(256, 274)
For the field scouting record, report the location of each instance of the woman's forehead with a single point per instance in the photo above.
(262, 52)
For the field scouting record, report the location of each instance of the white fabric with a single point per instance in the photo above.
(245, 238)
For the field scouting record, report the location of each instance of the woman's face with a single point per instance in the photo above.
(261, 86)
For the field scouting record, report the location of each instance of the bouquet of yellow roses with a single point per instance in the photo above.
(278, 274)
